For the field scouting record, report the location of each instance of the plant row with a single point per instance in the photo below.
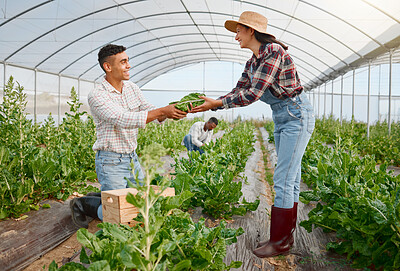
(39, 162)
(355, 199)
(170, 134)
(166, 238)
(45, 160)
(384, 146)
(213, 177)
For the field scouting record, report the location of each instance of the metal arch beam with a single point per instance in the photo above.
(148, 16)
(130, 35)
(25, 11)
(198, 59)
(346, 22)
(146, 79)
(179, 35)
(158, 28)
(300, 20)
(179, 51)
(197, 42)
(129, 47)
(80, 38)
(191, 49)
(388, 15)
(201, 33)
(185, 50)
(310, 55)
(164, 70)
(167, 36)
(71, 21)
(186, 55)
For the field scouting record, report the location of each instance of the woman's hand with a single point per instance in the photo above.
(207, 105)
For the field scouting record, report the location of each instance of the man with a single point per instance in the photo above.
(119, 109)
(199, 134)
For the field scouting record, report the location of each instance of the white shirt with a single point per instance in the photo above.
(118, 116)
(199, 136)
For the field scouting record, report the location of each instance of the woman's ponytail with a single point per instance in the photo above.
(265, 38)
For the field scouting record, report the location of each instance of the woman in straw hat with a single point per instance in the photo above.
(270, 76)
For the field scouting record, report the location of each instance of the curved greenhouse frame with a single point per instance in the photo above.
(331, 42)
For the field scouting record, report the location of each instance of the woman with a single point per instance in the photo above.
(270, 75)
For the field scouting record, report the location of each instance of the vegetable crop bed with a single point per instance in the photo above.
(308, 253)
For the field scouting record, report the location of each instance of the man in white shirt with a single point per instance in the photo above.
(199, 134)
(119, 109)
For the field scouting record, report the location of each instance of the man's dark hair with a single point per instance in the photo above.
(109, 50)
(214, 120)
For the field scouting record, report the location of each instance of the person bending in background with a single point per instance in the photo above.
(199, 134)
(270, 76)
(119, 109)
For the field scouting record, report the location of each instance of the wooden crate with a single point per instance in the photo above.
(117, 210)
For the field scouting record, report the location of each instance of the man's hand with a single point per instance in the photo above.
(162, 118)
(207, 105)
(171, 112)
(165, 112)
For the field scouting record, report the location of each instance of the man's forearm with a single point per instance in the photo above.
(154, 114)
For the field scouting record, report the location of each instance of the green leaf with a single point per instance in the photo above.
(83, 257)
(46, 206)
(182, 265)
(91, 175)
(53, 266)
(99, 266)
(235, 264)
(86, 239)
(72, 266)
(131, 257)
(192, 98)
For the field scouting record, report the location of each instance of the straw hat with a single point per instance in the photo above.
(251, 19)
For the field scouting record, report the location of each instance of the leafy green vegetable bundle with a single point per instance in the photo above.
(193, 98)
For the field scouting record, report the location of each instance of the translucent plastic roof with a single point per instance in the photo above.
(325, 38)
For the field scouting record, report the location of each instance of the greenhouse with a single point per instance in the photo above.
(208, 204)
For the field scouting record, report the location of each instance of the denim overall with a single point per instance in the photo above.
(294, 123)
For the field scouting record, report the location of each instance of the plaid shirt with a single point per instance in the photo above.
(118, 116)
(273, 70)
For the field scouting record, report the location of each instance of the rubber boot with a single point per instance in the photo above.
(294, 220)
(82, 208)
(94, 194)
(280, 231)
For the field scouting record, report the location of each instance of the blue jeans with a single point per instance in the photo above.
(187, 140)
(113, 170)
(294, 123)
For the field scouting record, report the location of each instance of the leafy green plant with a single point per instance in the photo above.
(385, 148)
(192, 98)
(213, 176)
(356, 200)
(165, 237)
(41, 161)
(270, 126)
(16, 146)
